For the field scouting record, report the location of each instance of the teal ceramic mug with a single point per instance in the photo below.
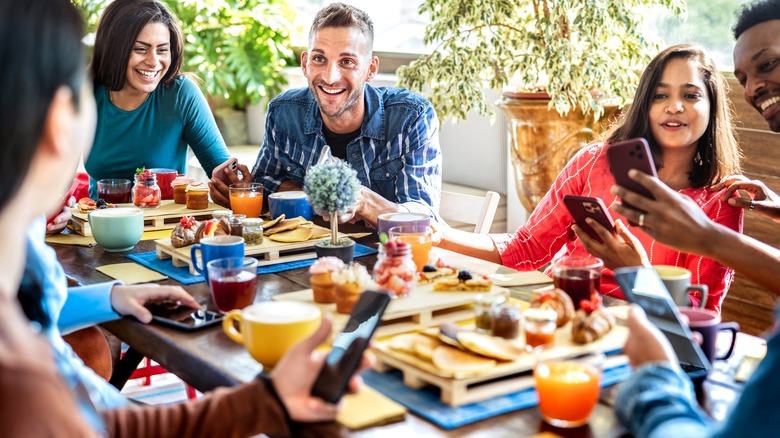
(117, 229)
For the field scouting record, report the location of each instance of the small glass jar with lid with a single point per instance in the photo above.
(483, 310)
(506, 320)
(236, 222)
(146, 192)
(539, 326)
(395, 270)
(252, 230)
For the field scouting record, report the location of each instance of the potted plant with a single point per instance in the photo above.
(558, 52)
(332, 188)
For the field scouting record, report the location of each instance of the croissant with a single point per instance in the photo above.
(587, 327)
(557, 300)
(213, 227)
(184, 232)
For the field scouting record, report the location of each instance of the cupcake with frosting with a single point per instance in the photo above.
(179, 185)
(350, 282)
(321, 282)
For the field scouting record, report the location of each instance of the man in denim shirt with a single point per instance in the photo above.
(658, 399)
(389, 136)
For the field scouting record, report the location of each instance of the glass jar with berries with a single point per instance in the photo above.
(395, 270)
(146, 192)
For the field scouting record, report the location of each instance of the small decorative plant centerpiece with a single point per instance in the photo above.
(332, 188)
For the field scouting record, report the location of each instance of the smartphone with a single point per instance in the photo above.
(219, 171)
(71, 192)
(643, 286)
(583, 207)
(627, 155)
(183, 317)
(348, 347)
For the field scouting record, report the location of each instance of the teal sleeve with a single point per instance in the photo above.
(200, 128)
(86, 306)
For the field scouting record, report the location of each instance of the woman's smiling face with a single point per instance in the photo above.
(149, 58)
(680, 108)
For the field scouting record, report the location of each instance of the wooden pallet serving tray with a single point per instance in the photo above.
(165, 217)
(421, 309)
(268, 253)
(504, 378)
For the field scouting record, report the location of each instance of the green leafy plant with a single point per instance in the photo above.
(237, 48)
(332, 188)
(572, 48)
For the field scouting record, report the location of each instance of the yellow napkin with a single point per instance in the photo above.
(369, 408)
(72, 238)
(131, 273)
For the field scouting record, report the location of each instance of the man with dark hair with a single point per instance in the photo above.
(388, 135)
(658, 400)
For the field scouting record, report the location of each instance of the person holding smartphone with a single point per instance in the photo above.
(658, 399)
(680, 108)
(390, 136)
(148, 112)
(51, 126)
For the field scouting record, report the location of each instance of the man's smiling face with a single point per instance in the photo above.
(337, 65)
(757, 67)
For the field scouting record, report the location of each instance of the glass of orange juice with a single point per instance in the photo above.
(568, 388)
(246, 198)
(419, 237)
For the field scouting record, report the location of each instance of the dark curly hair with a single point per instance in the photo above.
(756, 13)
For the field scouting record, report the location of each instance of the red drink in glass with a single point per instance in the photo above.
(579, 284)
(114, 191)
(164, 179)
(233, 292)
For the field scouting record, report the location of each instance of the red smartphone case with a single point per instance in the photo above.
(627, 155)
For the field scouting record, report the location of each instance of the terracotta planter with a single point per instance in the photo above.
(544, 141)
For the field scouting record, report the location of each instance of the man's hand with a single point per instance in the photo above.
(671, 218)
(765, 202)
(645, 343)
(220, 191)
(618, 250)
(60, 222)
(130, 300)
(294, 376)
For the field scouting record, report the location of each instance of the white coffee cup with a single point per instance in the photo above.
(678, 281)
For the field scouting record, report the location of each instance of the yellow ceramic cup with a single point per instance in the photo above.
(267, 330)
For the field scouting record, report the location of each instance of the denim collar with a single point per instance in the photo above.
(373, 121)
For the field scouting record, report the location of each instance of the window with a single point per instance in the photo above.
(397, 25)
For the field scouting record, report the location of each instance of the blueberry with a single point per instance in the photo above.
(464, 275)
(429, 268)
(100, 204)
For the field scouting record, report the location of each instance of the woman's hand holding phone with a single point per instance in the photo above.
(618, 249)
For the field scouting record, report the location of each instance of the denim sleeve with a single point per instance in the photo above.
(86, 306)
(658, 400)
(419, 188)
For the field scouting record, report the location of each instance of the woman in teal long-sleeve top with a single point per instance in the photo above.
(148, 112)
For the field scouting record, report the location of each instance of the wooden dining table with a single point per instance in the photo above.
(208, 359)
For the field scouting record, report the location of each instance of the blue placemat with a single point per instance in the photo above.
(426, 402)
(183, 276)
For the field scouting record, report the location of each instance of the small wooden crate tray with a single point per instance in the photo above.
(421, 309)
(165, 217)
(504, 378)
(268, 253)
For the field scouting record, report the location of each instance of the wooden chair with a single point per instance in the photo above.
(469, 209)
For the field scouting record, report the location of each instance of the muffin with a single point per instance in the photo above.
(350, 282)
(321, 284)
(179, 185)
(197, 196)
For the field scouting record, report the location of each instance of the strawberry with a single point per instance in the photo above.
(594, 303)
(87, 201)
